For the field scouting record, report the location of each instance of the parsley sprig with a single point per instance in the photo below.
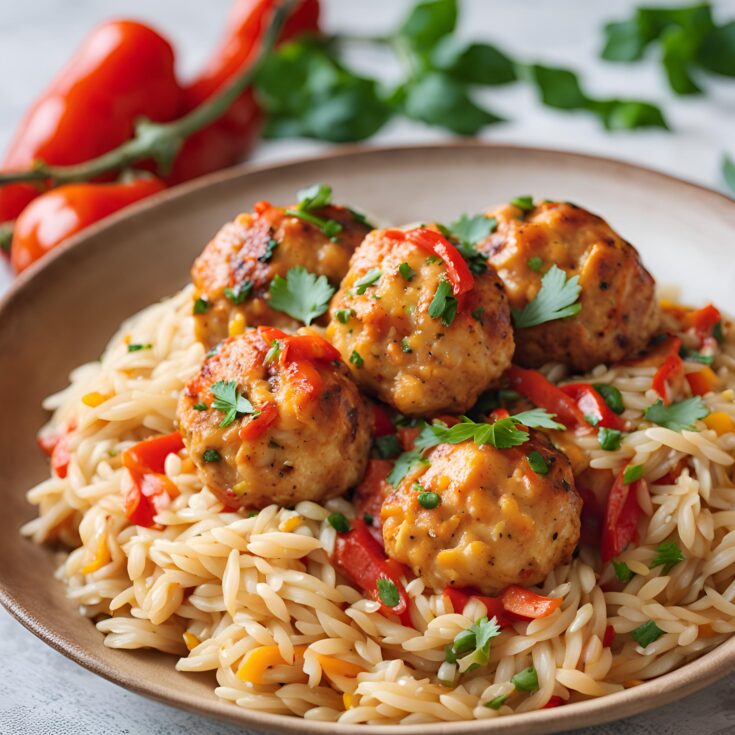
(679, 415)
(443, 306)
(301, 294)
(229, 401)
(316, 197)
(473, 644)
(556, 299)
(466, 233)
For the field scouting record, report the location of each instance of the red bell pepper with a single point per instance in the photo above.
(671, 370)
(150, 490)
(527, 603)
(60, 213)
(358, 556)
(259, 423)
(554, 701)
(459, 274)
(123, 71)
(544, 394)
(593, 405)
(704, 320)
(60, 457)
(371, 493)
(225, 141)
(460, 597)
(622, 513)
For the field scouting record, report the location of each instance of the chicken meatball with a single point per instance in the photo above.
(481, 517)
(275, 418)
(619, 311)
(407, 339)
(233, 274)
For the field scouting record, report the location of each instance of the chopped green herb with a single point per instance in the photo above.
(301, 294)
(477, 313)
(556, 299)
(344, 315)
(609, 439)
(646, 634)
(699, 357)
(717, 332)
(368, 519)
(239, 293)
(201, 305)
(315, 196)
(406, 271)
(360, 218)
(622, 571)
(211, 455)
(405, 464)
(612, 396)
(433, 260)
(229, 401)
(525, 203)
(472, 230)
(338, 522)
(361, 284)
(270, 248)
(387, 446)
(137, 347)
(449, 655)
(200, 406)
(526, 680)
(417, 487)
(679, 415)
(405, 347)
(632, 473)
(274, 352)
(535, 263)
(429, 500)
(498, 702)
(476, 639)
(443, 306)
(356, 359)
(537, 463)
(388, 592)
(667, 556)
(534, 418)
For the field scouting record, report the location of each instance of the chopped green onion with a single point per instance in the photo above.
(632, 473)
(622, 571)
(498, 702)
(338, 522)
(609, 439)
(537, 463)
(344, 315)
(368, 279)
(526, 680)
(646, 634)
(356, 359)
(406, 271)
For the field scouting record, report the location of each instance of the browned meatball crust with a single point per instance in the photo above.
(497, 523)
(315, 439)
(419, 364)
(619, 309)
(245, 256)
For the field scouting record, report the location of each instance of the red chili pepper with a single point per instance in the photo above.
(224, 142)
(358, 556)
(60, 213)
(554, 701)
(609, 638)
(259, 423)
(123, 71)
(705, 319)
(458, 272)
(151, 490)
(527, 603)
(592, 404)
(382, 425)
(670, 371)
(621, 518)
(534, 386)
(370, 494)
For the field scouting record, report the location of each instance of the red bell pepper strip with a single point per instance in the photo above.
(259, 423)
(225, 141)
(60, 213)
(554, 701)
(60, 457)
(621, 518)
(358, 556)
(371, 493)
(544, 394)
(459, 274)
(527, 603)
(670, 371)
(123, 71)
(382, 425)
(704, 320)
(460, 597)
(150, 490)
(593, 405)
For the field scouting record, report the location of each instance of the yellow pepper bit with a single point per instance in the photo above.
(101, 557)
(720, 422)
(94, 399)
(236, 325)
(191, 640)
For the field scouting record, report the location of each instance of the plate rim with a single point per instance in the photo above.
(690, 677)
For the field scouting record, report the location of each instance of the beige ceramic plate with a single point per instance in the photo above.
(62, 313)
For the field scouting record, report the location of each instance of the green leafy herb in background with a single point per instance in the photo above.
(307, 90)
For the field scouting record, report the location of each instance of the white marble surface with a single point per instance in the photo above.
(45, 694)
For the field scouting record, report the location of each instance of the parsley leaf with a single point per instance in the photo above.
(679, 415)
(229, 401)
(405, 464)
(473, 229)
(556, 299)
(388, 592)
(443, 306)
(667, 556)
(609, 439)
(524, 203)
(302, 295)
(537, 418)
(270, 248)
(314, 197)
(611, 395)
(622, 571)
(239, 293)
(537, 463)
(646, 634)
(475, 640)
(339, 522)
(344, 315)
(474, 63)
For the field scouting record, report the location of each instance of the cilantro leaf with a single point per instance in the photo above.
(646, 634)
(443, 306)
(405, 464)
(388, 592)
(537, 418)
(622, 571)
(609, 439)
(556, 299)
(475, 640)
(473, 229)
(537, 462)
(314, 197)
(240, 292)
(302, 295)
(229, 401)
(667, 556)
(679, 415)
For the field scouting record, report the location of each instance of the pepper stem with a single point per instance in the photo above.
(159, 141)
